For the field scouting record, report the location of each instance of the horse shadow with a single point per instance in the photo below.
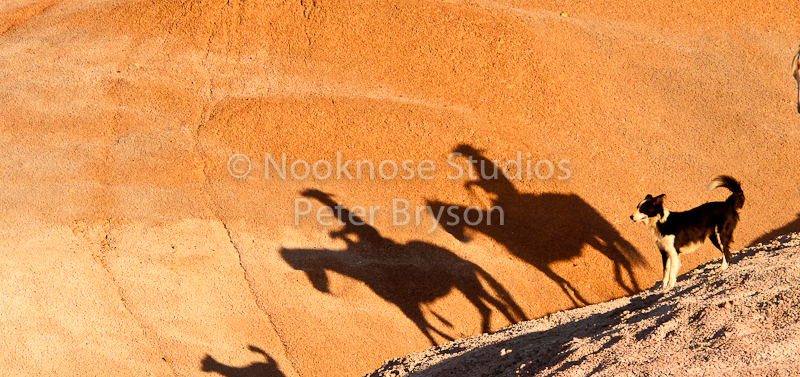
(539, 229)
(267, 369)
(407, 275)
(790, 227)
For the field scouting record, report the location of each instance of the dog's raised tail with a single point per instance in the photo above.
(737, 196)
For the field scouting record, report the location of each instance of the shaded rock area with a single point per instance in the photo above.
(182, 182)
(744, 321)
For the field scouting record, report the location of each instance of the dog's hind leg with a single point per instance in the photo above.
(716, 240)
(725, 238)
(726, 254)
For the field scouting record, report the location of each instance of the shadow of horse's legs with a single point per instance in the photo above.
(482, 298)
(568, 289)
(415, 315)
(622, 264)
(618, 277)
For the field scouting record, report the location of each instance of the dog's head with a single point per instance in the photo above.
(649, 207)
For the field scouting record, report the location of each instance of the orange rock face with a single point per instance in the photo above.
(309, 188)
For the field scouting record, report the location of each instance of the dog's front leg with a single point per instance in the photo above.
(667, 268)
(676, 266)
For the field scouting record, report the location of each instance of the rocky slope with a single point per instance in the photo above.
(149, 225)
(744, 321)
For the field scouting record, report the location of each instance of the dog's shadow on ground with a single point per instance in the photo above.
(540, 229)
(790, 227)
(407, 275)
(267, 369)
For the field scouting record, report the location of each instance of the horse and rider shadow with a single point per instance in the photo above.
(539, 229)
(407, 275)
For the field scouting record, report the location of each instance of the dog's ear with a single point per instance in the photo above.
(659, 199)
(648, 197)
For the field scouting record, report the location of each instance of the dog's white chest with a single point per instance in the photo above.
(665, 242)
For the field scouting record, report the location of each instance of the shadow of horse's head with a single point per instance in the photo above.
(322, 196)
(309, 261)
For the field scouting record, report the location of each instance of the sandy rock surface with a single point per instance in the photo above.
(744, 321)
(148, 224)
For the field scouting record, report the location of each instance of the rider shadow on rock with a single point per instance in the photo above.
(407, 275)
(540, 229)
(268, 369)
(790, 227)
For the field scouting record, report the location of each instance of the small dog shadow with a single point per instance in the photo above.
(265, 369)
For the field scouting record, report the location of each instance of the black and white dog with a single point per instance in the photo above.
(684, 232)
